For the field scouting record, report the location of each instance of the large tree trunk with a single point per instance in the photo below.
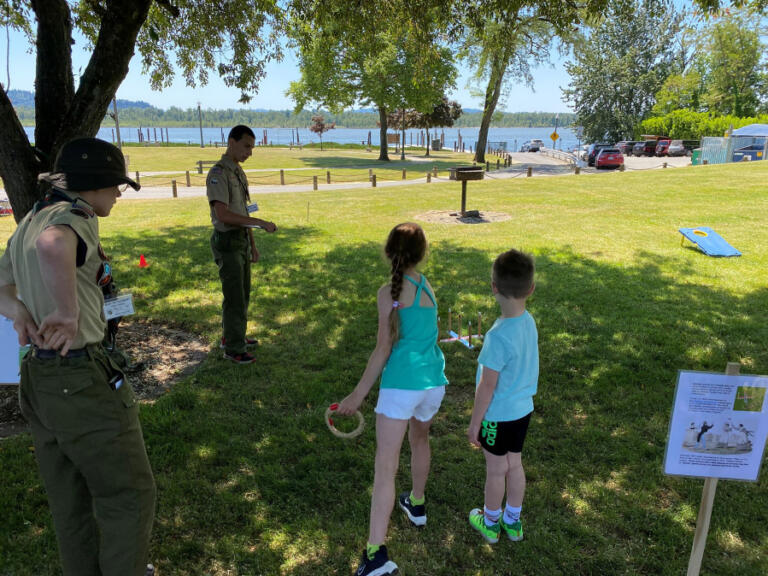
(383, 134)
(492, 93)
(60, 113)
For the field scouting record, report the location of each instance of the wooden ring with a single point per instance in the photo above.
(338, 433)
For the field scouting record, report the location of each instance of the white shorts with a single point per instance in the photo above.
(406, 404)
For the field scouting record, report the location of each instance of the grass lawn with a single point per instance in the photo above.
(250, 482)
(344, 164)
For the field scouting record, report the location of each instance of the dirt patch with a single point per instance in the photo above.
(452, 217)
(161, 355)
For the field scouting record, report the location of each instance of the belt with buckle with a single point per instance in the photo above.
(43, 354)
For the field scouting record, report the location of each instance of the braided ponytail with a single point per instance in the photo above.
(406, 246)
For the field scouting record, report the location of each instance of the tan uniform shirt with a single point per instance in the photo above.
(19, 265)
(227, 183)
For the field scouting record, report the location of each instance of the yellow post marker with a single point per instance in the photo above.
(479, 329)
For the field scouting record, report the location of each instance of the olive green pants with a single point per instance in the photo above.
(232, 254)
(90, 452)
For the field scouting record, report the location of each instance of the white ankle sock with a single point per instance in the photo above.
(512, 514)
(491, 516)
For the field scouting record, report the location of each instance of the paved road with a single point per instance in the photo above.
(540, 164)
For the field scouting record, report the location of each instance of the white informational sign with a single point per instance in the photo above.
(9, 352)
(719, 426)
(120, 306)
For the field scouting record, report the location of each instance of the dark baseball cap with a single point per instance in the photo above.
(85, 164)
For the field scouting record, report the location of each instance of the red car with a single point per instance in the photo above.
(5, 208)
(662, 148)
(609, 158)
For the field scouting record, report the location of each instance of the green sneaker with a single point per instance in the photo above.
(477, 521)
(514, 530)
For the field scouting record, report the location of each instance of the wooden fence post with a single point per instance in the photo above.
(282, 177)
(403, 173)
(189, 183)
(328, 176)
(373, 181)
(138, 180)
(530, 171)
(370, 174)
(314, 182)
(173, 187)
(429, 177)
(199, 166)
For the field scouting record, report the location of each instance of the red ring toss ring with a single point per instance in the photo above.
(338, 433)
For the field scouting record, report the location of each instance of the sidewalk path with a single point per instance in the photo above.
(540, 165)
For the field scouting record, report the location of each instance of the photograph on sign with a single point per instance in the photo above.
(718, 427)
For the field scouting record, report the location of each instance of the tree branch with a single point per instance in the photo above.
(18, 164)
(106, 69)
(168, 7)
(54, 85)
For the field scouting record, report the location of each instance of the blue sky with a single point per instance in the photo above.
(546, 97)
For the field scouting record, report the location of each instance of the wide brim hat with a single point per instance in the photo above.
(86, 164)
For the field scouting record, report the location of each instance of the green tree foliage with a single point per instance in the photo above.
(691, 125)
(679, 91)
(504, 41)
(620, 65)
(733, 56)
(367, 53)
(234, 39)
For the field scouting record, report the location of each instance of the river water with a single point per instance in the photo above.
(513, 137)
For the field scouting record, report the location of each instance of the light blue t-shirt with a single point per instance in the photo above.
(511, 348)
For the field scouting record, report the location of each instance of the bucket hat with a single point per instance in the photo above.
(85, 164)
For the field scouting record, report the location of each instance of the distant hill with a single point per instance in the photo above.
(26, 99)
(133, 113)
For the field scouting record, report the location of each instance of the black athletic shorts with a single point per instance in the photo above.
(506, 436)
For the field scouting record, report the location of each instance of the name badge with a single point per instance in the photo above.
(253, 208)
(119, 306)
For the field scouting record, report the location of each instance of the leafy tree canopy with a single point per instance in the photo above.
(620, 66)
(234, 38)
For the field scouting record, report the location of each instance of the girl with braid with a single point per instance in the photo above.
(413, 381)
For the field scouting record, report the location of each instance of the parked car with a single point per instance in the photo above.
(646, 148)
(609, 158)
(594, 149)
(535, 145)
(582, 152)
(682, 147)
(525, 146)
(662, 147)
(676, 148)
(625, 146)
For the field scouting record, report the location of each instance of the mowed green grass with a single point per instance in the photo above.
(251, 482)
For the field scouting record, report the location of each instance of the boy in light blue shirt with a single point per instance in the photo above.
(507, 379)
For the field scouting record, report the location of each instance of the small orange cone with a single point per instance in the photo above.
(143, 262)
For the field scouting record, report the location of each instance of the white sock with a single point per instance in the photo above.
(512, 514)
(491, 516)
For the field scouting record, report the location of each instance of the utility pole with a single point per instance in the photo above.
(117, 122)
(200, 118)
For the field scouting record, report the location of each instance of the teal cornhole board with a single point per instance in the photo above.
(709, 241)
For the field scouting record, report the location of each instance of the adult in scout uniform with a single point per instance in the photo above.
(232, 240)
(82, 411)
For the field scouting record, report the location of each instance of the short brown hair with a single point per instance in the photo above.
(513, 273)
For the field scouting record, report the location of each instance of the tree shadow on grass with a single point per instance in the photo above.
(251, 482)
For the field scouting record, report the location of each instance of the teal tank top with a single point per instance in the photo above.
(416, 361)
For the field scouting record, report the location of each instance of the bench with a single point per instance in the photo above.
(207, 163)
